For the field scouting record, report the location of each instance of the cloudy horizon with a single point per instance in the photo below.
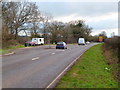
(101, 16)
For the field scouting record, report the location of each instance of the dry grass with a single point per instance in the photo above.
(110, 51)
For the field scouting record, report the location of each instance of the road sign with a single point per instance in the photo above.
(100, 38)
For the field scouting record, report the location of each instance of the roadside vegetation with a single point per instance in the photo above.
(111, 52)
(27, 18)
(90, 71)
(10, 48)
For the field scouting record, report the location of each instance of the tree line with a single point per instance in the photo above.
(27, 17)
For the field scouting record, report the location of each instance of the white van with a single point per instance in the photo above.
(81, 41)
(38, 41)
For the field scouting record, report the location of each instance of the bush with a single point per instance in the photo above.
(22, 40)
(111, 50)
(112, 43)
(12, 42)
(6, 44)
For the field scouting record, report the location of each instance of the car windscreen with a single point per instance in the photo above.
(60, 43)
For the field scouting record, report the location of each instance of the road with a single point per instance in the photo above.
(36, 67)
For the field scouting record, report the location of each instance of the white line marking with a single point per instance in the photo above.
(63, 72)
(35, 58)
(49, 86)
(61, 50)
(53, 53)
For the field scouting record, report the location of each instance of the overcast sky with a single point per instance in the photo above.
(101, 16)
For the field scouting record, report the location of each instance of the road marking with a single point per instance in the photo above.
(49, 86)
(53, 53)
(35, 58)
(61, 50)
(57, 78)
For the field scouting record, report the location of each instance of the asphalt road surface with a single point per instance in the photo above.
(36, 67)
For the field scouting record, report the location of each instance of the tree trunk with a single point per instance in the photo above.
(16, 34)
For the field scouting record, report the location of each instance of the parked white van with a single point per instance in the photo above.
(38, 41)
(81, 41)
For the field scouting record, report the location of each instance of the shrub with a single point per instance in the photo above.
(112, 43)
(111, 50)
(12, 42)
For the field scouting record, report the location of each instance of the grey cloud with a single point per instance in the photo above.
(105, 24)
(82, 8)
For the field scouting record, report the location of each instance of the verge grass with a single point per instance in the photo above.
(90, 71)
(8, 49)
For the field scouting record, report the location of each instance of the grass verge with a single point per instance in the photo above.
(112, 60)
(90, 71)
(8, 49)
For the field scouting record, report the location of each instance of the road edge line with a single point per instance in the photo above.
(63, 72)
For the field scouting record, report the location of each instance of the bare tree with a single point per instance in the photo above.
(35, 21)
(16, 14)
(46, 20)
(57, 30)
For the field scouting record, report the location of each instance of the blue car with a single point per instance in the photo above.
(61, 45)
